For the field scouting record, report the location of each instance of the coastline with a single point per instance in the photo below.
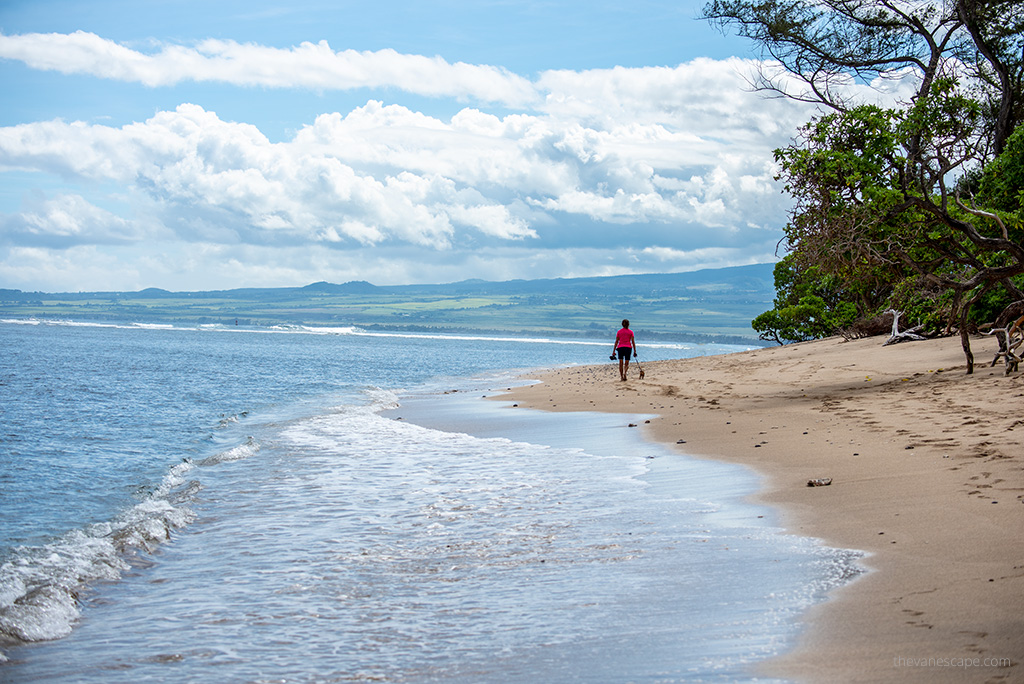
(734, 620)
(926, 466)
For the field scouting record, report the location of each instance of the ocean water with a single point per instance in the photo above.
(223, 504)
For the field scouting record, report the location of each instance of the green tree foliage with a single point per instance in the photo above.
(1002, 185)
(808, 305)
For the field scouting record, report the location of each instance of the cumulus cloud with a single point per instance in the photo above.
(385, 173)
(708, 95)
(65, 221)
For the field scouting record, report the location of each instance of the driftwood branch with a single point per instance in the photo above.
(1011, 338)
(897, 336)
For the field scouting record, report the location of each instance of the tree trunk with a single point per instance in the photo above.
(965, 342)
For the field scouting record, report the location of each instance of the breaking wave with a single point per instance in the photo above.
(41, 586)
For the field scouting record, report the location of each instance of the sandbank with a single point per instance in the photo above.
(927, 476)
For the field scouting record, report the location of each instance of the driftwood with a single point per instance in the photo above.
(897, 336)
(1011, 337)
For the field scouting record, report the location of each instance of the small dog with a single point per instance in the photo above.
(641, 369)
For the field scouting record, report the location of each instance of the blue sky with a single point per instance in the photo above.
(213, 145)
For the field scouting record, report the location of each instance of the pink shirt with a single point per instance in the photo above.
(624, 338)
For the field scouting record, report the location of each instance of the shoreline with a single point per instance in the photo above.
(927, 477)
(797, 573)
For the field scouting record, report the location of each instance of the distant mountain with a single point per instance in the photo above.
(351, 287)
(156, 292)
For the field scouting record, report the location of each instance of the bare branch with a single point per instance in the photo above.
(984, 214)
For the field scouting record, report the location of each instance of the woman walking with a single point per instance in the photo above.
(625, 347)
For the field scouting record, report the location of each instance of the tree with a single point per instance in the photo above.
(808, 305)
(872, 204)
(994, 54)
(875, 189)
(823, 44)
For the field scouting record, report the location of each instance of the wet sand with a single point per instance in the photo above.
(927, 476)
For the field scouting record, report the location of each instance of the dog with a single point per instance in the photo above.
(637, 360)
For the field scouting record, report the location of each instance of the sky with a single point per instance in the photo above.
(215, 145)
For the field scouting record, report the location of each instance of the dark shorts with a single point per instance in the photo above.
(625, 352)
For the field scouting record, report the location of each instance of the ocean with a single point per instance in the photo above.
(261, 505)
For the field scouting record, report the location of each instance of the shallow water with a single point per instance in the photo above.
(244, 507)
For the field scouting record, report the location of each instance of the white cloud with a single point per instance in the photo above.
(313, 66)
(64, 221)
(702, 92)
(67, 270)
(706, 93)
(390, 174)
(710, 257)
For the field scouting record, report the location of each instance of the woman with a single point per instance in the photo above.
(625, 346)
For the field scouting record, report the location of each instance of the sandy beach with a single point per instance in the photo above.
(927, 477)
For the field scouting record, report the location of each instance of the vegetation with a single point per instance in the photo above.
(808, 305)
(918, 206)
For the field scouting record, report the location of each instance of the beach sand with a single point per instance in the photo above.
(927, 470)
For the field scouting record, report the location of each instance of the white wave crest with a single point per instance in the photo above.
(40, 586)
(381, 399)
(237, 453)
